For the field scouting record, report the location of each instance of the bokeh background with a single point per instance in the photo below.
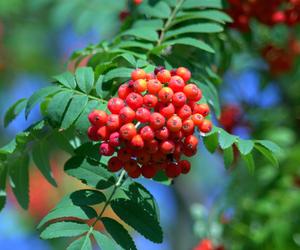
(260, 97)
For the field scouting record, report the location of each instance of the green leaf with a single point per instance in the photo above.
(269, 145)
(195, 28)
(38, 96)
(58, 105)
(146, 33)
(85, 79)
(9, 148)
(64, 229)
(162, 178)
(19, 179)
(245, 146)
(156, 24)
(160, 10)
(89, 150)
(103, 241)
(99, 88)
(40, 155)
(191, 4)
(3, 175)
(228, 156)
(144, 223)
(211, 142)
(267, 153)
(192, 42)
(118, 73)
(118, 233)
(89, 172)
(249, 162)
(226, 139)
(135, 44)
(14, 111)
(83, 243)
(67, 79)
(129, 58)
(76, 107)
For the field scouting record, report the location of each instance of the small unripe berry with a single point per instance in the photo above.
(114, 139)
(165, 94)
(114, 164)
(103, 133)
(127, 131)
(126, 115)
(124, 90)
(140, 85)
(106, 149)
(179, 99)
(138, 74)
(147, 133)
(148, 171)
(184, 112)
(115, 104)
(167, 110)
(124, 154)
(202, 109)
(142, 115)
(150, 101)
(137, 142)
(113, 122)
(184, 73)
(174, 123)
(162, 134)
(134, 100)
(167, 147)
(154, 86)
(176, 84)
(98, 118)
(205, 126)
(157, 120)
(164, 76)
(92, 133)
(173, 170)
(185, 166)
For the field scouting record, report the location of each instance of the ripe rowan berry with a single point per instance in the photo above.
(173, 170)
(98, 118)
(127, 131)
(184, 73)
(150, 101)
(103, 133)
(113, 122)
(174, 123)
(188, 127)
(167, 110)
(147, 133)
(143, 157)
(135, 173)
(162, 134)
(127, 115)
(114, 139)
(138, 74)
(191, 91)
(205, 126)
(184, 112)
(165, 94)
(164, 76)
(92, 133)
(137, 142)
(150, 76)
(154, 86)
(115, 104)
(148, 171)
(134, 100)
(114, 164)
(125, 154)
(151, 146)
(130, 165)
(157, 120)
(185, 166)
(176, 83)
(191, 142)
(167, 147)
(142, 115)
(158, 68)
(137, 2)
(176, 136)
(140, 85)
(124, 90)
(197, 119)
(202, 109)
(106, 149)
(179, 99)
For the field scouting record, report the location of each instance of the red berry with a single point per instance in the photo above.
(205, 126)
(134, 100)
(179, 99)
(167, 147)
(157, 120)
(176, 83)
(137, 2)
(188, 127)
(162, 134)
(189, 152)
(202, 109)
(167, 110)
(191, 91)
(103, 133)
(150, 101)
(114, 139)
(106, 149)
(130, 165)
(148, 171)
(137, 142)
(174, 123)
(138, 74)
(115, 104)
(114, 164)
(184, 112)
(164, 76)
(165, 94)
(92, 133)
(150, 76)
(142, 115)
(154, 86)
(140, 85)
(158, 68)
(184, 73)
(191, 142)
(185, 166)
(126, 115)
(135, 173)
(125, 154)
(143, 157)
(124, 90)
(173, 170)
(113, 122)
(147, 133)
(98, 118)
(197, 119)
(159, 157)
(151, 146)
(127, 131)
(176, 136)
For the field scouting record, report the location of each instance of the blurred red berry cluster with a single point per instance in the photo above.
(206, 244)
(151, 123)
(269, 12)
(231, 117)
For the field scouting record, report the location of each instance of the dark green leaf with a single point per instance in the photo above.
(228, 156)
(118, 233)
(19, 179)
(89, 172)
(85, 79)
(135, 44)
(162, 178)
(14, 111)
(104, 242)
(269, 145)
(118, 73)
(83, 243)
(211, 142)
(89, 150)
(245, 146)
(148, 34)
(3, 175)
(268, 154)
(192, 42)
(226, 139)
(249, 162)
(64, 229)
(191, 4)
(76, 107)
(9, 148)
(67, 79)
(40, 155)
(99, 87)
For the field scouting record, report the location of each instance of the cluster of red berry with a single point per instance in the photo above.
(269, 12)
(206, 244)
(152, 123)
